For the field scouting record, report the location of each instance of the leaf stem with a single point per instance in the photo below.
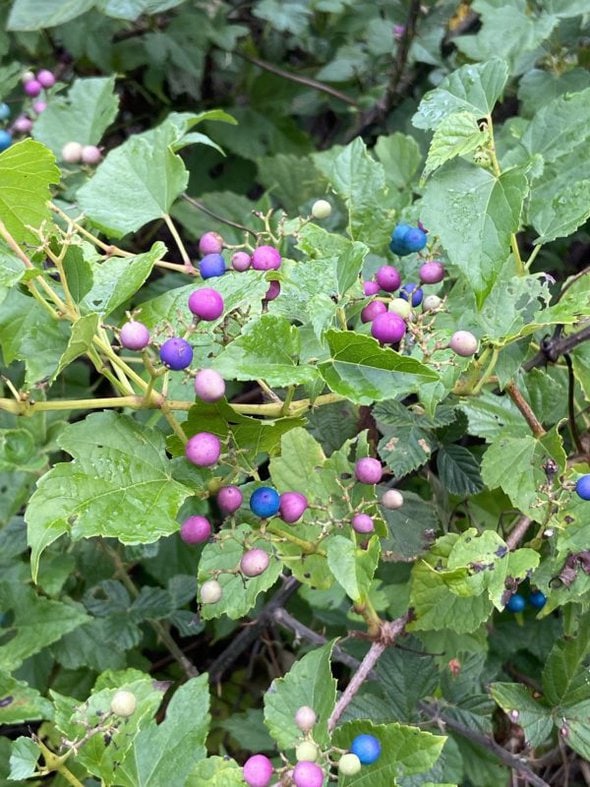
(515, 394)
(178, 240)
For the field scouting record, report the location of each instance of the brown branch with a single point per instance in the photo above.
(553, 348)
(518, 532)
(515, 394)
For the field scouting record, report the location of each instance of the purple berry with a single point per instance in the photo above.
(195, 530)
(292, 506)
(241, 261)
(372, 310)
(257, 771)
(22, 124)
(266, 258)
(307, 774)
(39, 106)
(388, 328)
(432, 272)
(254, 562)
(398, 32)
(134, 335)
(368, 470)
(45, 78)
(176, 353)
(209, 385)
(370, 288)
(203, 449)
(463, 343)
(32, 88)
(362, 523)
(274, 290)
(305, 718)
(211, 266)
(210, 243)
(206, 303)
(91, 154)
(388, 278)
(229, 499)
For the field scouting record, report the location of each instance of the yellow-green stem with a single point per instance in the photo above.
(178, 240)
(307, 546)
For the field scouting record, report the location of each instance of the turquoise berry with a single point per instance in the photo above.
(5, 139)
(4, 111)
(367, 748)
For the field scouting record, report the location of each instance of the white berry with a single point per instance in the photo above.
(321, 209)
(123, 703)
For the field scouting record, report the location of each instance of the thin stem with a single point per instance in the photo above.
(515, 394)
(200, 206)
(307, 546)
(178, 240)
(532, 257)
(488, 371)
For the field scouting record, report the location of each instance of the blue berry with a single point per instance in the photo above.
(516, 603)
(583, 487)
(212, 265)
(5, 139)
(415, 239)
(4, 111)
(537, 599)
(367, 748)
(406, 239)
(176, 353)
(414, 291)
(265, 501)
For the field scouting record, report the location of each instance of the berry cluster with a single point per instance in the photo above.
(517, 602)
(34, 85)
(76, 153)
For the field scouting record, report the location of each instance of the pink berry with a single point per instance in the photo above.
(209, 385)
(241, 261)
(210, 243)
(388, 278)
(274, 290)
(392, 499)
(362, 523)
(254, 562)
(292, 506)
(195, 530)
(370, 287)
(257, 771)
(432, 272)
(46, 78)
(22, 124)
(203, 449)
(463, 343)
(305, 718)
(372, 309)
(32, 88)
(308, 774)
(368, 470)
(39, 106)
(266, 258)
(388, 328)
(206, 303)
(91, 154)
(229, 499)
(134, 335)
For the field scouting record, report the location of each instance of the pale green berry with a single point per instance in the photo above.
(307, 751)
(123, 703)
(401, 307)
(431, 302)
(321, 209)
(349, 764)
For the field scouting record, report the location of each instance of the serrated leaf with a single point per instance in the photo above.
(489, 414)
(411, 527)
(215, 772)
(458, 470)
(567, 211)
(534, 717)
(83, 331)
(20, 703)
(352, 566)
(32, 15)
(23, 758)
(401, 157)
(560, 127)
(405, 678)
(565, 676)
(456, 135)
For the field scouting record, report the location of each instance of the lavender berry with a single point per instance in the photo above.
(209, 385)
(388, 328)
(431, 272)
(229, 499)
(274, 290)
(463, 343)
(176, 353)
(91, 154)
(388, 278)
(46, 78)
(210, 243)
(134, 335)
(362, 523)
(257, 771)
(372, 310)
(308, 774)
(292, 506)
(305, 718)
(370, 287)
(32, 88)
(241, 261)
(203, 449)
(266, 258)
(254, 562)
(368, 470)
(195, 530)
(206, 304)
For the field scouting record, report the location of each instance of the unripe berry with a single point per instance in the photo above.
(349, 764)
(91, 154)
(26, 76)
(254, 562)
(292, 506)
(372, 310)
(134, 335)
(266, 258)
(368, 470)
(39, 106)
(71, 152)
(211, 592)
(46, 78)
(210, 243)
(33, 88)
(367, 748)
(321, 209)
(206, 304)
(392, 499)
(362, 523)
(431, 302)
(203, 449)
(388, 278)
(195, 530)
(241, 261)
(22, 124)
(388, 328)
(257, 771)
(4, 111)
(212, 265)
(432, 272)
(583, 487)
(305, 718)
(401, 307)
(413, 292)
(5, 139)
(265, 501)
(308, 751)
(123, 703)
(209, 385)
(307, 774)
(370, 287)
(229, 499)
(463, 343)
(176, 353)
(274, 290)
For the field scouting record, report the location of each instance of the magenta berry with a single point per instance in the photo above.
(266, 258)
(91, 154)
(308, 774)
(176, 353)
(206, 303)
(463, 343)
(257, 771)
(209, 385)
(368, 470)
(305, 718)
(362, 523)
(432, 272)
(292, 506)
(203, 449)
(210, 243)
(372, 310)
(274, 290)
(388, 278)
(229, 499)
(195, 530)
(22, 124)
(254, 562)
(241, 261)
(32, 88)
(46, 78)
(370, 287)
(134, 335)
(388, 328)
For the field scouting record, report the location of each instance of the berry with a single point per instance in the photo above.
(26, 76)
(370, 287)
(516, 603)
(583, 487)
(406, 239)
(195, 530)
(368, 470)
(211, 592)
(292, 506)
(203, 449)
(308, 751)
(265, 501)
(22, 124)
(71, 152)
(123, 703)
(134, 335)
(463, 343)
(254, 562)
(266, 258)
(241, 261)
(349, 764)
(176, 353)
(388, 328)
(388, 278)
(206, 304)
(321, 209)
(307, 774)
(209, 385)
(367, 748)
(362, 523)
(257, 771)
(415, 239)
(32, 88)
(274, 290)
(432, 272)
(537, 599)
(212, 265)
(5, 139)
(401, 307)
(392, 499)
(431, 302)
(91, 154)
(4, 111)
(210, 243)
(414, 291)
(39, 106)
(229, 499)
(305, 718)
(372, 310)
(46, 78)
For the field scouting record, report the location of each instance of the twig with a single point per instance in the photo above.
(200, 206)
(518, 531)
(553, 348)
(515, 394)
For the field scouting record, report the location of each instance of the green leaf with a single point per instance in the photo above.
(538, 87)
(119, 485)
(27, 169)
(349, 265)
(23, 758)
(20, 703)
(405, 678)
(456, 135)
(83, 331)
(458, 470)
(364, 372)
(132, 9)
(411, 527)
(11, 269)
(565, 677)
(308, 682)
(401, 157)
(215, 772)
(532, 716)
(559, 127)
(489, 415)
(567, 211)
(82, 116)
(32, 15)
(352, 566)
(473, 88)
